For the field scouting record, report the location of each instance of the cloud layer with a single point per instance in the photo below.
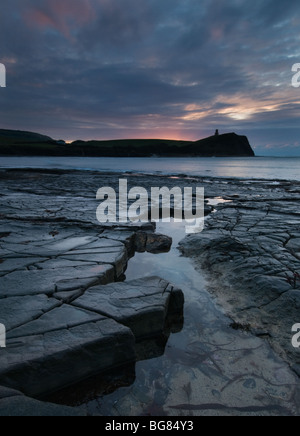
(84, 69)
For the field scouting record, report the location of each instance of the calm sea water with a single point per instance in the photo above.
(275, 168)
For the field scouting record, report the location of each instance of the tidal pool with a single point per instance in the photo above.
(206, 368)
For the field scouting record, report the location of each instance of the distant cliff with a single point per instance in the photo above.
(18, 143)
(229, 144)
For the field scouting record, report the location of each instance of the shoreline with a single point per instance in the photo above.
(62, 205)
(263, 168)
(248, 251)
(179, 176)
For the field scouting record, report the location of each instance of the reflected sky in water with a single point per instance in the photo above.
(248, 168)
(207, 367)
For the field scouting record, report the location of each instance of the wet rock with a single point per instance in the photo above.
(103, 252)
(68, 297)
(9, 264)
(296, 369)
(124, 236)
(248, 249)
(17, 311)
(294, 246)
(140, 242)
(152, 243)
(59, 318)
(157, 243)
(35, 282)
(43, 363)
(208, 209)
(143, 305)
(52, 252)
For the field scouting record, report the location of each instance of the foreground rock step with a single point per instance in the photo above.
(14, 403)
(69, 263)
(142, 305)
(39, 364)
(97, 332)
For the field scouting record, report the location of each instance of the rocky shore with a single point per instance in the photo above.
(250, 251)
(63, 298)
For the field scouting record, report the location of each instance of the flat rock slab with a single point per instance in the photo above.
(124, 236)
(49, 281)
(38, 365)
(42, 262)
(17, 311)
(60, 318)
(143, 305)
(10, 264)
(103, 251)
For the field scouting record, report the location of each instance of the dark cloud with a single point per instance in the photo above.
(171, 68)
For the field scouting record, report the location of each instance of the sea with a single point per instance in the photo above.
(269, 168)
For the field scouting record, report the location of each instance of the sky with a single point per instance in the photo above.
(176, 69)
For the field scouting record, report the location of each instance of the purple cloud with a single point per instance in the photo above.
(126, 68)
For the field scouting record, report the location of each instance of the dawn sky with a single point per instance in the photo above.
(177, 69)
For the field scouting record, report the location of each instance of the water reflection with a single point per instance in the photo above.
(205, 367)
(106, 383)
(245, 168)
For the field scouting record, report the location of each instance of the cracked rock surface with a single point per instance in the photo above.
(60, 292)
(143, 305)
(249, 249)
(56, 264)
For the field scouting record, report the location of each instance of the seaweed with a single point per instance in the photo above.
(220, 407)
